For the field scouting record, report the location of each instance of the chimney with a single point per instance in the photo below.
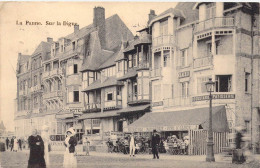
(151, 15)
(76, 28)
(100, 23)
(19, 54)
(49, 39)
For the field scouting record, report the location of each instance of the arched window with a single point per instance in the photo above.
(59, 85)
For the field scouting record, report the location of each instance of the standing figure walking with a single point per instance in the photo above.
(155, 144)
(132, 145)
(45, 138)
(20, 144)
(15, 146)
(70, 160)
(7, 143)
(36, 145)
(87, 144)
(12, 143)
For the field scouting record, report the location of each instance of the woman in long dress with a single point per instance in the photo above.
(45, 138)
(70, 160)
(36, 145)
(15, 145)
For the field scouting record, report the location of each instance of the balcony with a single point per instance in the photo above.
(202, 62)
(92, 107)
(138, 100)
(36, 88)
(163, 40)
(177, 102)
(51, 73)
(217, 22)
(157, 72)
(110, 105)
(144, 65)
(51, 95)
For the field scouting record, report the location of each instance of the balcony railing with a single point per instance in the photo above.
(53, 72)
(214, 23)
(156, 72)
(202, 62)
(143, 65)
(93, 107)
(177, 102)
(36, 88)
(161, 40)
(53, 94)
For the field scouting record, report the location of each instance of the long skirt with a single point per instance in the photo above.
(70, 161)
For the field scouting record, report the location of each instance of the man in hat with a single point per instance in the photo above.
(155, 144)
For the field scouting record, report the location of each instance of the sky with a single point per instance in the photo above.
(15, 38)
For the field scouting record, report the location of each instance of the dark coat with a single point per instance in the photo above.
(155, 140)
(12, 141)
(73, 142)
(7, 141)
(36, 158)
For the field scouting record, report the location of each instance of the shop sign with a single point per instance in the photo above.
(184, 74)
(214, 96)
(166, 128)
(76, 110)
(57, 137)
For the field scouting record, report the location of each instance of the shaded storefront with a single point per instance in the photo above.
(192, 123)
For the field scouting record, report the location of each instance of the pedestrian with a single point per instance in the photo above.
(20, 144)
(7, 143)
(12, 143)
(70, 160)
(15, 148)
(45, 138)
(132, 144)
(36, 145)
(86, 144)
(155, 144)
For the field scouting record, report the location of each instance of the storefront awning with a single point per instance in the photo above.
(115, 113)
(182, 120)
(64, 115)
(134, 109)
(98, 115)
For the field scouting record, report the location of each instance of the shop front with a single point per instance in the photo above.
(191, 124)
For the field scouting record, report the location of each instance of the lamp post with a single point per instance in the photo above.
(210, 153)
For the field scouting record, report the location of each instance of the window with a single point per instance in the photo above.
(120, 126)
(119, 91)
(75, 68)
(185, 89)
(130, 61)
(184, 58)
(134, 89)
(61, 49)
(247, 76)
(164, 28)
(119, 66)
(134, 60)
(201, 81)
(166, 58)
(209, 48)
(247, 125)
(211, 10)
(73, 45)
(35, 80)
(223, 83)
(109, 96)
(48, 67)
(75, 96)
(59, 85)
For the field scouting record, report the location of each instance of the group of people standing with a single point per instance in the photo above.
(39, 152)
(14, 144)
